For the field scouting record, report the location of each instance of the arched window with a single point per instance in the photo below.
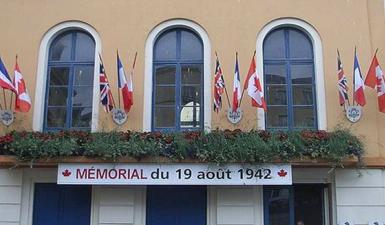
(177, 81)
(289, 80)
(70, 77)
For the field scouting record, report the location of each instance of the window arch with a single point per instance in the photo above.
(70, 80)
(56, 49)
(312, 38)
(178, 79)
(289, 80)
(194, 31)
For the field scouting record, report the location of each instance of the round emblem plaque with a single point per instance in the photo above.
(234, 116)
(119, 116)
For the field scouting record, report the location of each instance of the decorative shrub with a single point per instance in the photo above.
(214, 147)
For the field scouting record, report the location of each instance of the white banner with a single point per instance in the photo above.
(174, 174)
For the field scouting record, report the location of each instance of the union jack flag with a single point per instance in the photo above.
(105, 91)
(219, 86)
(342, 82)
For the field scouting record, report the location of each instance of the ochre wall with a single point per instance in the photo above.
(231, 25)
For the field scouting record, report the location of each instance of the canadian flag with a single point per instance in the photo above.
(253, 86)
(358, 83)
(375, 77)
(125, 86)
(23, 101)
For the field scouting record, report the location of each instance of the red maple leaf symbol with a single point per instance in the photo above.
(66, 173)
(282, 173)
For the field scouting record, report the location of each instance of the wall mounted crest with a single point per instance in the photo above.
(234, 116)
(353, 113)
(119, 116)
(7, 117)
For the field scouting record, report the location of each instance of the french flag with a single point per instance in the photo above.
(125, 87)
(5, 80)
(236, 86)
(358, 83)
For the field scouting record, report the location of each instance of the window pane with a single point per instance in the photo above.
(165, 75)
(191, 95)
(56, 117)
(84, 75)
(276, 95)
(274, 45)
(82, 96)
(302, 94)
(165, 46)
(191, 46)
(191, 74)
(57, 96)
(279, 210)
(61, 48)
(299, 45)
(189, 116)
(303, 116)
(309, 204)
(81, 117)
(276, 116)
(165, 96)
(302, 74)
(275, 74)
(164, 116)
(59, 76)
(85, 47)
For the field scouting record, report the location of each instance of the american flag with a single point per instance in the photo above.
(219, 86)
(105, 91)
(342, 82)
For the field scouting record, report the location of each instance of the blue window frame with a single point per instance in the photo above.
(177, 81)
(289, 80)
(70, 77)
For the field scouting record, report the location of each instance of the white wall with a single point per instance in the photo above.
(360, 195)
(235, 205)
(10, 196)
(118, 205)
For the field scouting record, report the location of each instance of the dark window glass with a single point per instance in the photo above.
(166, 46)
(71, 78)
(178, 80)
(289, 80)
(288, 205)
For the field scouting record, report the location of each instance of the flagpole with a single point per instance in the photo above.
(105, 74)
(227, 95)
(354, 76)
(10, 104)
(117, 58)
(240, 101)
(5, 102)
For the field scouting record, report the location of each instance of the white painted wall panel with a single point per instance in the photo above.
(118, 205)
(10, 194)
(116, 214)
(359, 178)
(235, 196)
(361, 196)
(10, 177)
(8, 223)
(312, 175)
(361, 215)
(117, 196)
(9, 213)
(235, 215)
(235, 205)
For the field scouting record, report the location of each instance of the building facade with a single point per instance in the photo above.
(295, 42)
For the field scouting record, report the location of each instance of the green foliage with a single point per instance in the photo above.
(215, 147)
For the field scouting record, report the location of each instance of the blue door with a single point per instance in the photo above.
(176, 205)
(61, 204)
